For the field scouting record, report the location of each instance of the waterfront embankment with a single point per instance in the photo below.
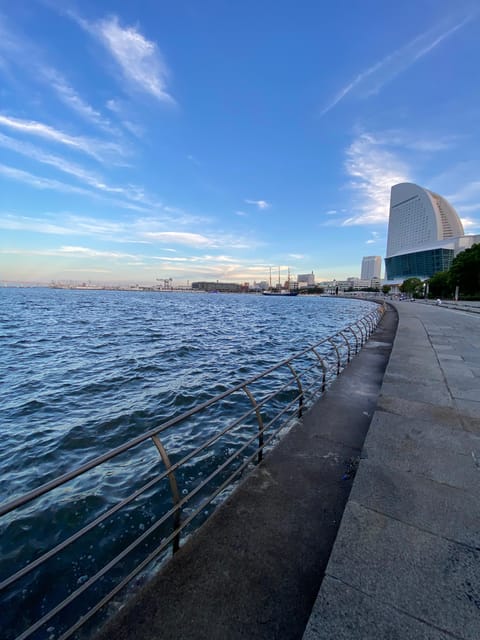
(254, 569)
(406, 561)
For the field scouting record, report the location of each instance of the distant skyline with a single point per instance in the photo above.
(214, 140)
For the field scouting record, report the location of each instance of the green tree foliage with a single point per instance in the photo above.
(386, 289)
(465, 271)
(412, 287)
(439, 285)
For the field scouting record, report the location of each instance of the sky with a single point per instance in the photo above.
(212, 140)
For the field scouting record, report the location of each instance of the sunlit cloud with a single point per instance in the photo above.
(261, 204)
(371, 80)
(92, 253)
(373, 170)
(179, 237)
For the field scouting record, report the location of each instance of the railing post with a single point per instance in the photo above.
(174, 489)
(340, 333)
(259, 421)
(299, 384)
(350, 328)
(338, 354)
(324, 368)
(366, 327)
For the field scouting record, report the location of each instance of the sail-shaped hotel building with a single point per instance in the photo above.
(424, 234)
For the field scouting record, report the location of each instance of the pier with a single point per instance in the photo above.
(333, 537)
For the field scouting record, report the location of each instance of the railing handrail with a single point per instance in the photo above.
(330, 360)
(94, 462)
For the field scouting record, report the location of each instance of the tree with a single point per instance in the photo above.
(412, 286)
(465, 271)
(386, 289)
(439, 285)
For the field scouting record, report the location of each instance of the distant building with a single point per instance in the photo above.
(424, 234)
(225, 287)
(306, 279)
(371, 267)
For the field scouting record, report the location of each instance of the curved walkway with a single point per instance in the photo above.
(406, 560)
(253, 570)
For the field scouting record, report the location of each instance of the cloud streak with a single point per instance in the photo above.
(261, 204)
(94, 148)
(373, 171)
(371, 80)
(139, 59)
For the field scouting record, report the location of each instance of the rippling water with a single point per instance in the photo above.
(84, 371)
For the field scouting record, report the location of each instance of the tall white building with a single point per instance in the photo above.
(371, 267)
(424, 234)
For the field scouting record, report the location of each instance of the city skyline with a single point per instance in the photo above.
(141, 142)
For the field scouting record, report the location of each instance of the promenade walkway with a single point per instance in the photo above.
(406, 560)
(254, 569)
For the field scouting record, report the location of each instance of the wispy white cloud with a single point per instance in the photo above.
(241, 213)
(11, 222)
(415, 140)
(86, 252)
(125, 118)
(179, 237)
(261, 204)
(139, 59)
(22, 54)
(375, 237)
(373, 171)
(96, 148)
(69, 96)
(40, 182)
(371, 80)
(472, 225)
(296, 256)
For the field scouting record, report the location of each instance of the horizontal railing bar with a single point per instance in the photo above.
(39, 491)
(61, 546)
(373, 318)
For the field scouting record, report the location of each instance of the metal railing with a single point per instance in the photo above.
(179, 489)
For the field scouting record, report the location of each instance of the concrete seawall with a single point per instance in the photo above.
(406, 560)
(254, 569)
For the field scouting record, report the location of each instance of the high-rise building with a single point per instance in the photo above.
(424, 234)
(371, 267)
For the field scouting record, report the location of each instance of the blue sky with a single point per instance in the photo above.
(212, 140)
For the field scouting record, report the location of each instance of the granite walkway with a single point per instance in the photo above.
(406, 560)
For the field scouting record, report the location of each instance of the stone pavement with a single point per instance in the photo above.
(406, 560)
(253, 570)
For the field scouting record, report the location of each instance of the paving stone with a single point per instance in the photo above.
(429, 578)
(424, 449)
(344, 613)
(420, 410)
(443, 510)
(432, 393)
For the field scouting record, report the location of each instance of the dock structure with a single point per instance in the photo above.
(363, 523)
